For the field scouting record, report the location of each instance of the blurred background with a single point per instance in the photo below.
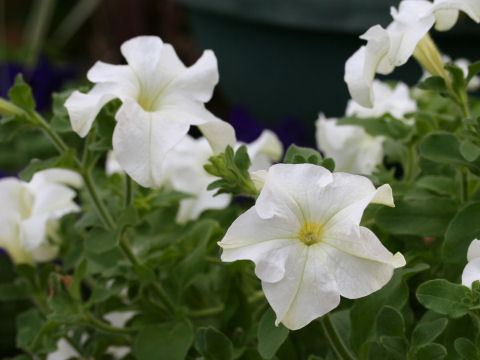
(280, 61)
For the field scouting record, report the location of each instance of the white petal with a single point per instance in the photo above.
(219, 134)
(343, 200)
(307, 291)
(33, 232)
(471, 272)
(142, 139)
(265, 242)
(54, 200)
(473, 250)
(258, 178)
(10, 239)
(360, 265)
(412, 22)
(118, 319)
(155, 65)
(198, 80)
(83, 108)
(64, 351)
(264, 150)
(290, 190)
(127, 85)
(361, 67)
(445, 19)
(470, 7)
(111, 165)
(59, 176)
(14, 197)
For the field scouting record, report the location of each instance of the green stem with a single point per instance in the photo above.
(334, 339)
(207, 312)
(156, 286)
(99, 205)
(463, 185)
(129, 190)
(99, 324)
(52, 135)
(258, 295)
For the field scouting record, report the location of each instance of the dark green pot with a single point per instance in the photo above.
(285, 58)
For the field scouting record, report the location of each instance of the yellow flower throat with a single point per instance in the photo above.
(310, 233)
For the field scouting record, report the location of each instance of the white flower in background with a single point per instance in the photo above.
(118, 319)
(29, 213)
(407, 35)
(112, 165)
(64, 351)
(303, 235)
(471, 272)
(463, 64)
(183, 169)
(394, 101)
(352, 149)
(161, 98)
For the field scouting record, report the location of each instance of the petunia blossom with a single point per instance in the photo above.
(405, 36)
(29, 213)
(161, 99)
(471, 272)
(305, 238)
(352, 149)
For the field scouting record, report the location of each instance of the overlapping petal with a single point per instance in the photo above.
(471, 272)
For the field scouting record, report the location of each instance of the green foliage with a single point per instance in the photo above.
(232, 167)
(386, 125)
(270, 337)
(444, 297)
(21, 94)
(213, 344)
(302, 155)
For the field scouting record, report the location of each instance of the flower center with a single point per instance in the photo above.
(310, 233)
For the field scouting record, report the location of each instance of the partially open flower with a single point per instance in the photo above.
(303, 235)
(406, 35)
(352, 149)
(161, 98)
(471, 272)
(29, 213)
(183, 170)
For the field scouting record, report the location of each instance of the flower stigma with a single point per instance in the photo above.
(310, 233)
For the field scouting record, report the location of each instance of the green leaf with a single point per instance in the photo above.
(29, 323)
(458, 81)
(444, 148)
(466, 348)
(66, 160)
(443, 297)
(165, 341)
(213, 344)
(431, 352)
(469, 150)
(434, 83)
(270, 337)
(390, 322)
(395, 345)
(10, 292)
(385, 125)
(298, 155)
(441, 185)
(463, 228)
(21, 94)
(99, 240)
(473, 69)
(394, 294)
(421, 216)
(426, 332)
(75, 287)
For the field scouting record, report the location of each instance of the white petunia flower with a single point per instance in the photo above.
(406, 35)
(161, 99)
(118, 319)
(471, 272)
(396, 102)
(64, 351)
(352, 149)
(303, 235)
(29, 213)
(183, 169)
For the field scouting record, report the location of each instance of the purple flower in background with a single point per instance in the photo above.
(44, 78)
(290, 130)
